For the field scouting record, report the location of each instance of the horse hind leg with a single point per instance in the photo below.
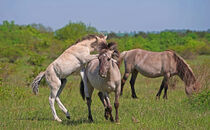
(125, 77)
(89, 101)
(88, 94)
(61, 106)
(132, 83)
(54, 83)
(161, 88)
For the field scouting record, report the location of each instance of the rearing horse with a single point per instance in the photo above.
(71, 60)
(156, 64)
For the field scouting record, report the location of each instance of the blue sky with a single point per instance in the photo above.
(111, 15)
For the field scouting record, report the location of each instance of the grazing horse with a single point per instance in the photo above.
(156, 64)
(104, 75)
(71, 60)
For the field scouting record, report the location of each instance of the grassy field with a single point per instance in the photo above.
(21, 109)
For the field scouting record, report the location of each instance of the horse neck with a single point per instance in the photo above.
(184, 71)
(111, 70)
(87, 43)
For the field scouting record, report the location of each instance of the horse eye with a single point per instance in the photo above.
(109, 59)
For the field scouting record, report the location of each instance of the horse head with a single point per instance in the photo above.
(192, 88)
(100, 41)
(108, 53)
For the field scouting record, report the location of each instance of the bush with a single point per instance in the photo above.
(73, 31)
(200, 101)
(10, 52)
(36, 59)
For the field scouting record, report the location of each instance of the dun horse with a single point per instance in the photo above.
(156, 64)
(71, 60)
(104, 75)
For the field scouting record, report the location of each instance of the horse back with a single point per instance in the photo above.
(150, 64)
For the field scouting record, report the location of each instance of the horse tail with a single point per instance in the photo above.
(184, 70)
(35, 83)
(122, 56)
(82, 89)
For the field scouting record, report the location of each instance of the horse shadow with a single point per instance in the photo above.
(34, 119)
(75, 122)
(64, 122)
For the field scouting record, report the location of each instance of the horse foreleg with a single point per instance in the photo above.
(166, 88)
(108, 110)
(125, 77)
(102, 98)
(89, 109)
(132, 83)
(61, 106)
(160, 90)
(116, 105)
(91, 57)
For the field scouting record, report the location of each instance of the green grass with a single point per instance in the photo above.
(21, 109)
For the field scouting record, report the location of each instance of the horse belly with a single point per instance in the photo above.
(151, 72)
(66, 68)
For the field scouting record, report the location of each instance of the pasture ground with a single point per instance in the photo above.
(21, 109)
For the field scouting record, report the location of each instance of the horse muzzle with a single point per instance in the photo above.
(103, 75)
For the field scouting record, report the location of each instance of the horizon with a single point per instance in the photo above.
(111, 16)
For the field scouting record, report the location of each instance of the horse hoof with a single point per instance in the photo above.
(106, 117)
(157, 97)
(117, 122)
(165, 98)
(134, 96)
(68, 117)
(90, 119)
(58, 119)
(111, 119)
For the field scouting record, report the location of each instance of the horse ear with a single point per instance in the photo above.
(105, 37)
(97, 37)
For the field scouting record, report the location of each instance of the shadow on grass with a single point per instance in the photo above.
(35, 119)
(76, 122)
(64, 122)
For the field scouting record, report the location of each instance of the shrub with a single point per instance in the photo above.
(10, 52)
(200, 101)
(74, 31)
(36, 59)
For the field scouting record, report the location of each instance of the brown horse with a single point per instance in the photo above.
(156, 64)
(104, 75)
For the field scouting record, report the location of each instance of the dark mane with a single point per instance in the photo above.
(89, 37)
(184, 70)
(110, 46)
(113, 46)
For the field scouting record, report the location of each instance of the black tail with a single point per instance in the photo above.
(82, 89)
